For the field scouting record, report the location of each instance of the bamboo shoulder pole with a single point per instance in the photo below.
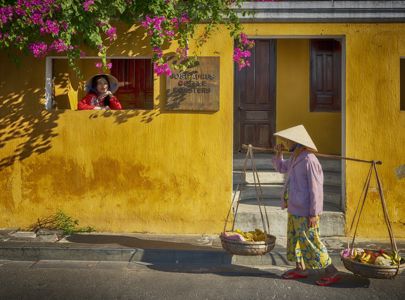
(379, 162)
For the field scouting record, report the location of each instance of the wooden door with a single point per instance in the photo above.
(255, 98)
(326, 75)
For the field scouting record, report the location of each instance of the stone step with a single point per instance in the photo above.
(332, 221)
(332, 194)
(266, 177)
(264, 162)
(274, 177)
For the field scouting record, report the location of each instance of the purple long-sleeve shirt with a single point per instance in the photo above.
(305, 189)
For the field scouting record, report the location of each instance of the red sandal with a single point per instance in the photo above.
(294, 275)
(327, 281)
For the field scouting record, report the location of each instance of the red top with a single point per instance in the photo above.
(90, 101)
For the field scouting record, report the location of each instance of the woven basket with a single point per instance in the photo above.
(248, 248)
(373, 271)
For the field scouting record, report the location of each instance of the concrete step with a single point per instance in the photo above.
(249, 218)
(332, 194)
(274, 177)
(264, 162)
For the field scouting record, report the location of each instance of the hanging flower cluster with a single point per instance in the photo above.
(242, 52)
(43, 27)
(161, 30)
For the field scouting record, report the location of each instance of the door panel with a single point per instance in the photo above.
(255, 99)
(325, 75)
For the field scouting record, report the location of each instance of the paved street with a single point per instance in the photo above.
(122, 280)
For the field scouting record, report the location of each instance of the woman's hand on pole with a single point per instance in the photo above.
(279, 149)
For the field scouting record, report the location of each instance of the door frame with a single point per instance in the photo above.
(342, 40)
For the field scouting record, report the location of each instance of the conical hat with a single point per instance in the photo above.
(113, 82)
(297, 134)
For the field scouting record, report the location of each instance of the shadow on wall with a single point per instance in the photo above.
(26, 127)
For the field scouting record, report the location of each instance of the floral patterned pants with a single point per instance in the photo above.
(304, 245)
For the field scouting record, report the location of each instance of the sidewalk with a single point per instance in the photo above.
(151, 248)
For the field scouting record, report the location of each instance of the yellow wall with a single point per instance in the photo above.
(132, 170)
(375, 125)
(171, 172)
(293, 96)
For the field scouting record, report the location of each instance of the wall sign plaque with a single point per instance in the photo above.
(194, 89)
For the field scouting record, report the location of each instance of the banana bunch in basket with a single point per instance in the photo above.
(251, 236)
(365, 256)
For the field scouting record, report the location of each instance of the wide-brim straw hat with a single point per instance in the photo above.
(297, 134)
(111, 79)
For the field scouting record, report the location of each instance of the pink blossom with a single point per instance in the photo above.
(87, 4)
(38, 49)
(158, 52)
(185, 18)
(109, 65)
(59, 46)
(158, 23)
(243, 38)
(245, 41)
(169, 33)
(99, 65)
(238, 54)
(50, 27)
(240, 57)
(175, 23)
(145, 24)
(19, 11)
(155, 22)
(36, 18)
(6, 14)
(162, 69)
(112, 33)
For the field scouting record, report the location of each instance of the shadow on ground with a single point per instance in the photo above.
(186, 257)
(134, 242)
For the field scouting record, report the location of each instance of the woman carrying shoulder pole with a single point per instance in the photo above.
(303, 198)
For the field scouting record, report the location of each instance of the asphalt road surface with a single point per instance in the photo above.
(121, 280)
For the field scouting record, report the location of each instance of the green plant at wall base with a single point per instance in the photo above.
(68, 224)
(45, 27)
(60, 221)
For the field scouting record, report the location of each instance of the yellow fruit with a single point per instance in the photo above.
(382, 261)
(396, 258)
(249, 236)
(365, 258)
(259, 237)
(386, 256)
